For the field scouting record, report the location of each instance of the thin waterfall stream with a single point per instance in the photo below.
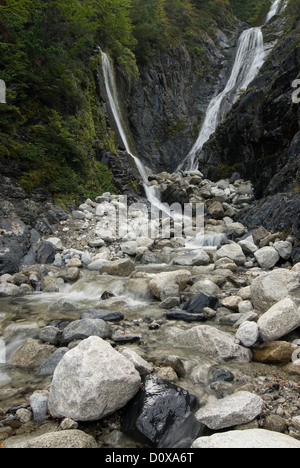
(250, 57)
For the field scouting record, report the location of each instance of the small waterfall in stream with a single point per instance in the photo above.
(249, 59)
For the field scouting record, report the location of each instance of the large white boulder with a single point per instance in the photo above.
(279, 320)
(232, 251)
(267, 257)
(92, 381)
(270, 288)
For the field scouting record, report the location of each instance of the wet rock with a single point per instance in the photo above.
(155, 409)
(50, 335)
(239, 408)
(103, 315)
(251, 438)
(197, 258)
(92, 381)
(200, 302)
(177, 314)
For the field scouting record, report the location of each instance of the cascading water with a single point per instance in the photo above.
(250, 57)
(111, 90)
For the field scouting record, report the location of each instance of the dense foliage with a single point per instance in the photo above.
(53, 123)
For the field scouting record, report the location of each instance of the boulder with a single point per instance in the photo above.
(249, 438)
(268, 289)
(210, 341)
(72, 438)
(155, 409)
(233, 252)
(284, 248)
(82, 329)
(200, 302)
(279, 320)
(92, 381)
(123, 267)
(160, 281)
(239, 408)
(267, 257)
(248, 334)
(274, 352)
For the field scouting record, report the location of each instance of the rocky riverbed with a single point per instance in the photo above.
(115, 331)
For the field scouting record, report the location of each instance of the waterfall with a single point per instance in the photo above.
(249, 59)
(111, 90)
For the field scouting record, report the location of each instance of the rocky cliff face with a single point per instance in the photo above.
(168, 102)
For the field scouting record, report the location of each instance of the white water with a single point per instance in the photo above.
(250, 57)
(112, 95)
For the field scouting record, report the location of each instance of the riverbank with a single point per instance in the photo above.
(211, 322)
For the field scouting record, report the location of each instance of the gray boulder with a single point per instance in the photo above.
(82, 329)
(267, 257)
(239, 408)
(250, 438)
(92, 381)
(233, 252)
(279, 320)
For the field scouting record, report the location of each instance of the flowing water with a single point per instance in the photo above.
(249, 59)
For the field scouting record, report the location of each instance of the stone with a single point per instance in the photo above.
(206, 286)
(92, 381)
(248, 245)
(200, 302)
(239, 408)
(123, 267)
(284, 248)
(248, 334)
(48, 367)
(250, 438)
(216, 210)
(130, 247)
(155, 409)
(103, 315)
(39, 406)
(279, 320)
(274, 352)
(46, 253)
(31, 354)
(72, 438)
(142, 366)
(82, 329)
(8, 289)
(50, 335)
(233, 252)
(177, 314)
(209, 341)
(56, 242)
(231, 302)
(267, 257)
(162, 280)
(197, 258)
(259, 234)
(269, 288)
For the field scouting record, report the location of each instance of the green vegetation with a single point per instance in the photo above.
(251, 11)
